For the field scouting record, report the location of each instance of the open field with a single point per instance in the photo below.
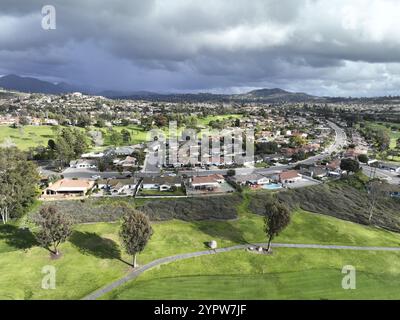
(93, 256)
(27, 136)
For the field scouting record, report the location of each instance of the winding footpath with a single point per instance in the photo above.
(138, 271)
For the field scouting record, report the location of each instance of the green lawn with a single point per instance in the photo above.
(287, 274)
(32, 136)
(27, 136)
(138, 134)
(206, 120)
(93, 256)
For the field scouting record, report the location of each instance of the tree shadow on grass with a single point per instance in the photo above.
(222, 229)
(92, 244)
(17, 237)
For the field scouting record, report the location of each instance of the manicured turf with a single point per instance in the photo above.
(138, 134)
(287, 274)
(93, 256)
(206, 120)
(27, 136)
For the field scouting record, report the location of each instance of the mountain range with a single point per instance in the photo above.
(275, 95)
(34, 85)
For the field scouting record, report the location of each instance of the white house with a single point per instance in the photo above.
(211, 181)
(161, 183)
(253, 179)
(83, 164)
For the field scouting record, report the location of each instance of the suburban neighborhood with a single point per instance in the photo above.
(199, 158)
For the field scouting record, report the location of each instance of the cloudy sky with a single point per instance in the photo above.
(337, 48)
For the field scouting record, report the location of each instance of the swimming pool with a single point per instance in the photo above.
(272, 186)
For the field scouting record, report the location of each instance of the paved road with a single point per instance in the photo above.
(135, 273)
(390, 177)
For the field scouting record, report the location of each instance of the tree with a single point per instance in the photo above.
(230, 172)
(100, 123)
(18, 183)
(349, 165)
(84, 120)
(277, 217)
(70, 144)
(115, 138)
(126, 136)
(375, 189)
(24, 121)
(51, 144)
(297, 141)
(55, 228)
(363, 158)
(267, 147)
(135, 232)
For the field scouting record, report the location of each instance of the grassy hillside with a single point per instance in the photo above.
(346, 200)
(287, 274)
(93, 256)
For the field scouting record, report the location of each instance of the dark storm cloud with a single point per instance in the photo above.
(317, 46)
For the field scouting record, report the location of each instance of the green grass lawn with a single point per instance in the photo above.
(93, 256)
(32, 136)
(206, 120)
(27, 136)
(138, 134)
(286, 274)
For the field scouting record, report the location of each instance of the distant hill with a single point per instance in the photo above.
(269, 96)
(33, 85)
(262, 95)
(276, 95)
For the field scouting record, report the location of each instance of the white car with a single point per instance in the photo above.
(96, 177)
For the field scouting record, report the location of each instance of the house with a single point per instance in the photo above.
(92, 155)
(334, 165)
(352, 153)
(67, 187)
(318, 172)
(128, 162)
(161, 183)
(207, 182)
(120, 151)
(288, 176)
(117, 186)
(250, 179)
(83, 164)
